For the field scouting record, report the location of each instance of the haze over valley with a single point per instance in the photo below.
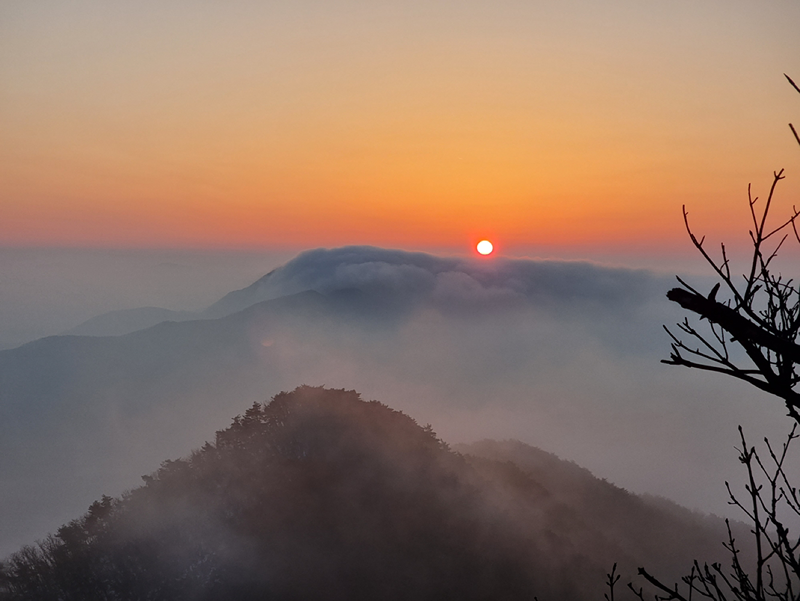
(560, 355)
(378, 300)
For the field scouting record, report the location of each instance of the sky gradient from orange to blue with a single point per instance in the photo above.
(412, 124)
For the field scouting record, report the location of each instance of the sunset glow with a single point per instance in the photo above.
(262, 125)
(466, 213)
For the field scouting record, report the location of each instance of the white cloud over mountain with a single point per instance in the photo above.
(562, 355)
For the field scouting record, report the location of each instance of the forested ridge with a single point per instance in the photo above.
(321, 495)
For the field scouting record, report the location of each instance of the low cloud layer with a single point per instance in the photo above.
(417, 277)
(561, 355)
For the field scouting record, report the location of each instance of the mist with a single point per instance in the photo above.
(48, 291)
(321, 495)
(562, 355)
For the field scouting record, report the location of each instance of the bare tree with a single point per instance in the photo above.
(761, 317)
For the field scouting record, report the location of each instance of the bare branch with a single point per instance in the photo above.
(794, 85)
(761, 317)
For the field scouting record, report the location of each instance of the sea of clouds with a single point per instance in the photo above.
(563, 355)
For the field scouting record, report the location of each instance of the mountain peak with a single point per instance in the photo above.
(319, 494)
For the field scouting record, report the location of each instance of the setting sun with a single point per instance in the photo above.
(485, 247)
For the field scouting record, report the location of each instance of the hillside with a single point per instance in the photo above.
(651, 530)
(320, 495)
(440, 338)
(118, 323)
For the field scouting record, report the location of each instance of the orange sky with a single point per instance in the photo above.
(405, 124)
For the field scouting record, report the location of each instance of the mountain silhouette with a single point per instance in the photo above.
(442, 338)
(321, 495)
(403, 280)
(117, 323)
(120, 404)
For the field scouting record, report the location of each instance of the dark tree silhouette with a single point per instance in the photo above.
(751, 335)
(761, 315)
(321, 495)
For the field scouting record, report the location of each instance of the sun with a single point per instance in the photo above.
(485, 247)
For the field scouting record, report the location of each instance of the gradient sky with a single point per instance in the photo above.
(409, 124)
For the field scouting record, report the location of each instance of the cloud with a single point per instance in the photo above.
(421, 278)
(561, 355)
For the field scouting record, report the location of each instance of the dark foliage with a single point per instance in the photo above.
(320, 495)
(316, 495)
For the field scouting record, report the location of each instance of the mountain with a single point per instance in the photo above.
(117, 323)
(562, 355)
(650, 529)
(79, 415)
(410, 279)
(321, 495)
(241, 299)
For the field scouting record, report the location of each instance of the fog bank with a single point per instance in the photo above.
(561, 355)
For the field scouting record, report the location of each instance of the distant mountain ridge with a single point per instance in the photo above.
(441, 336)
(125, 321)
(394, 277)
(237, 300)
